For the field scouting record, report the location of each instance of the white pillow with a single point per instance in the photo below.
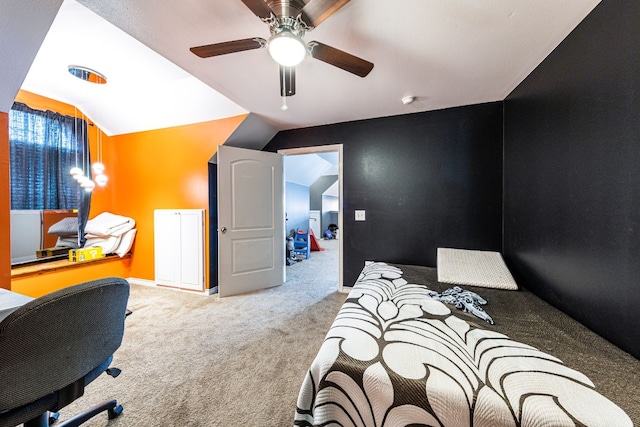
(474, 268)
(108, 244)
(126, 242)
(65, 227)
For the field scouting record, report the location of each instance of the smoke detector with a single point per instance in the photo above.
(408, 100)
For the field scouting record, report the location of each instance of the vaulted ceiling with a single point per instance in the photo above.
(444, 53)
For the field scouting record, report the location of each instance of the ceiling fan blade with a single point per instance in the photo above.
(223, 48)
(340, 59)
(259, 8)
(287, 81)
(317, 11)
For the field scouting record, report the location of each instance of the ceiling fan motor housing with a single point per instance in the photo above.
(283, 8)
(295, 26)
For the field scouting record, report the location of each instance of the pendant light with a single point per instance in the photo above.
(98, 167)
(94, 77)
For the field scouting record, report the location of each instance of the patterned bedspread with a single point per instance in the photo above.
(395, 357)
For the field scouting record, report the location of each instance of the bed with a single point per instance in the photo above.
(395, 356)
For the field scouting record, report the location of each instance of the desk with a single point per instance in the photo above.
(9, 301)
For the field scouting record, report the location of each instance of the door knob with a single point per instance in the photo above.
(223, 230)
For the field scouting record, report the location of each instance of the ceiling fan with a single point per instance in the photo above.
(288, 21)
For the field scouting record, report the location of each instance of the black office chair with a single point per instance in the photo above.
(53, 346)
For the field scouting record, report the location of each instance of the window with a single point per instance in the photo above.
(44, 146)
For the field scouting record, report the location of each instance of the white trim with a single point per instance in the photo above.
(324, 149)
(152, 284)
(143, 282)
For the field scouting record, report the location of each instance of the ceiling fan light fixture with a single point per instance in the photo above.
(287, 49)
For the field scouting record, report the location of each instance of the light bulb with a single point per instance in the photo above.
(88, 185)
(76, 172)
(98, 168)
(101, 180)
(287, 49)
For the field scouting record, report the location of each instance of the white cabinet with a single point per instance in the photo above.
(179, 248)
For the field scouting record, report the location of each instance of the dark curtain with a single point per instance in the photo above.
(83, 208)
(44, 146)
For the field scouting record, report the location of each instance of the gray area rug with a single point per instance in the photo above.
(194, 360)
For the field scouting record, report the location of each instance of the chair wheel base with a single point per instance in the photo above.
(111, 406)
(114, 412)
(53, 417)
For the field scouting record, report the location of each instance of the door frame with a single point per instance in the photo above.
(324, 149)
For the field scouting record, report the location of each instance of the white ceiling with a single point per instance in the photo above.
(144, 91)
(445, 53)
(305, 169)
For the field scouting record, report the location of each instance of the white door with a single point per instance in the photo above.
(251, 237)
(314, 223)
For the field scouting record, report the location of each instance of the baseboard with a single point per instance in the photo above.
(143, 282)
(152, 284)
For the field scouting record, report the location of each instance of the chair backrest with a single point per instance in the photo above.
(59, 338)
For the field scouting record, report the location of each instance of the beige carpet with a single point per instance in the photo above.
(193, 360)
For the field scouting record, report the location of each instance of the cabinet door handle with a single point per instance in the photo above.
(223, 230)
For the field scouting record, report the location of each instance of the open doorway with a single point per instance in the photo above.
(313, 175)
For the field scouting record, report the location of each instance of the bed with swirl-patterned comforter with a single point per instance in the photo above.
(396, 357)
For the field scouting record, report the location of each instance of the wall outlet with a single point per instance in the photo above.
(360, 216)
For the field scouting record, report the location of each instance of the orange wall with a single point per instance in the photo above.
(45, 282)
(5, 205)
(158, 169)
(161, 169)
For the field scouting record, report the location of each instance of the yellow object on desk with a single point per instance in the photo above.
(85, 254)
(48, 252)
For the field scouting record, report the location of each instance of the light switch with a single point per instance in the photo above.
(360, 215)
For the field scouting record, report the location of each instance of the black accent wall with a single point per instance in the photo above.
(572, 175)
(212, 169)
(425, 180)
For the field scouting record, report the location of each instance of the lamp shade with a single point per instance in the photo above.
(287, 49)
